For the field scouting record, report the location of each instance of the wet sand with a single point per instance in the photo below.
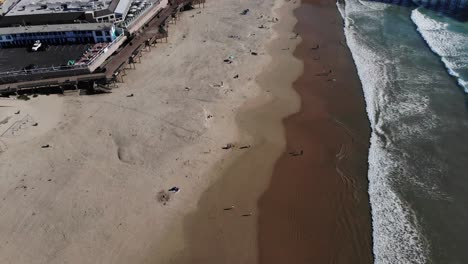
(316, 207)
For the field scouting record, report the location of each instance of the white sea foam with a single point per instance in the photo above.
(397, 237)
(374, 5)
(448, 39)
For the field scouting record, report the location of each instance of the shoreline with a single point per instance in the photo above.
(321, 195)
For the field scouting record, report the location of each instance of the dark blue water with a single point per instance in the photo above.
(418, 184)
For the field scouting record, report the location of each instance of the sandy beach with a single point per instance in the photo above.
(85, 179)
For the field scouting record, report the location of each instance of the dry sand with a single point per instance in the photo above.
(93, 196)
(224, 228)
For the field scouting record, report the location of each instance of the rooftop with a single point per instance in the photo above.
(15, 59)
(29, 7)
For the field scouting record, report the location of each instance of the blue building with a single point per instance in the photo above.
(58, 34)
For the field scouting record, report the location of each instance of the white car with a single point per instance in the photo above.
(37, 45)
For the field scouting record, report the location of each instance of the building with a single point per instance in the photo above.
(80, 65)
(59, 34)
(40, 12)
(22, 22)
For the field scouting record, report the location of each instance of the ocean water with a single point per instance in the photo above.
(448, 39)
(413, 64)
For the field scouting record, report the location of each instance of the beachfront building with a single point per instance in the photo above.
(58, 34)
(23, 22)
(94, 51)
(41, 12)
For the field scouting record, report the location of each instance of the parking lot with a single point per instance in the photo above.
(13, 59)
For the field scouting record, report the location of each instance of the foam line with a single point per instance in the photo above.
(397, 237)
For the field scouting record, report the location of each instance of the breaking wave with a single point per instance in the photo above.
(448, 39)
(397, 235)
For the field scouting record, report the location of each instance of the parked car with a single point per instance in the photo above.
(38, 46)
